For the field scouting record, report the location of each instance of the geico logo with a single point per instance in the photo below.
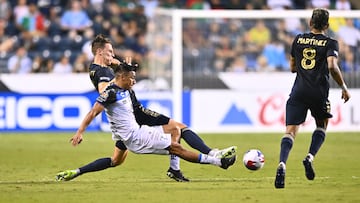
(45, 111)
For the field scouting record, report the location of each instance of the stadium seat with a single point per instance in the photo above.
(4, 57)
(60, 43)
(41, 43)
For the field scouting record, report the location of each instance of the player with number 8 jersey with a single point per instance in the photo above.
(313, 56)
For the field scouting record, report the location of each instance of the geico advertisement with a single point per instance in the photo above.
(44, 112)
(62, 112)
(263, 111)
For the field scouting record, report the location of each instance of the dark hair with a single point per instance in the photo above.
(320, 19)
(125, 67)
(99, 42)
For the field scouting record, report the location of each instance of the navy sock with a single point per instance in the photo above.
(286, 145)
(194, 140)
(96, 165)
(318, 138)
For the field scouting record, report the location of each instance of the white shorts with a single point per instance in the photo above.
(149, 140)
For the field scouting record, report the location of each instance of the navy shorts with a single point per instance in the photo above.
(296, 110)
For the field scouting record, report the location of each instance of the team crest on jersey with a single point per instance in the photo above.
(103, 96)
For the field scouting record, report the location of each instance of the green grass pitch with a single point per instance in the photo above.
(29, 162)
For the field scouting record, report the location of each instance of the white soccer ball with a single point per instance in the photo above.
(254, 159)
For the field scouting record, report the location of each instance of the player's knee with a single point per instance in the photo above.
(118, 159)
(180, 125)
(291, 131)
(176, 148)
(322, 124)
(176, 125)
(115, 162)
(175, 134)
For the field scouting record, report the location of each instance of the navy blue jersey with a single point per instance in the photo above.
(311, 87)
(99, 74)
(310, 52)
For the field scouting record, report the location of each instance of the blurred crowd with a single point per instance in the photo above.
(38, 36)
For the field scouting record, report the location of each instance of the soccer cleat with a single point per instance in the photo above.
(280, 177)
(309, 171)
(66, 175)
(225, 153)
(176, 175)
(226, 162)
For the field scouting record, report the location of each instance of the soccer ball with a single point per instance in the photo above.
(254, 159)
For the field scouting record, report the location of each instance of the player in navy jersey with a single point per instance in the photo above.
(117, 102)
(101, 74)
(313, 56)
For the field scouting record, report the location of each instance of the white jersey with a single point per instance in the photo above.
(119, 111)
(138, 139)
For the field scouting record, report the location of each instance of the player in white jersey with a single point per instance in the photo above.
(101, 74)
(117, 103)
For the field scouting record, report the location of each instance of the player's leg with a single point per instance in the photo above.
(150, 118)
(295, 115)
(321, 112)
(119, 155)
(318, 138)
(188, 135)
(174, 171)
(195, 141)
(176, 148)
(287, 142)
(285, 147)
(153, 140)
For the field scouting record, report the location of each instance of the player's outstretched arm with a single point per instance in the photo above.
(337, 76)
(96, 110)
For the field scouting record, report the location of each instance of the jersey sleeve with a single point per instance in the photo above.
(146, 116)
(134, 100)
(104, 75)
(333, 48)
(100, 74)
(108, 96)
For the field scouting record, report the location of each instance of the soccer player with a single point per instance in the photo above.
(313, 56)
(101, 75)
(141, 139)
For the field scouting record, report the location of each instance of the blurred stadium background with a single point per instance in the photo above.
(227, 59)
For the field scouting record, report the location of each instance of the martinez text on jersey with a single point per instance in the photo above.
(311, 41)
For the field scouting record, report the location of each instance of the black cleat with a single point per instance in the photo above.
(226, 162)
(280, 177)
(309, 171)
(176, 175)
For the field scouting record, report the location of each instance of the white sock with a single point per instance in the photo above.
(174, 162)
(283, 165)
(206, 159)
(311, 157)
(213, 152)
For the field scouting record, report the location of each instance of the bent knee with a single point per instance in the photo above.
(176, 148)
(116, 162)
(118, 159)
(174, 125)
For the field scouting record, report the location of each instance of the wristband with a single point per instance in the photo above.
(344, 87)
